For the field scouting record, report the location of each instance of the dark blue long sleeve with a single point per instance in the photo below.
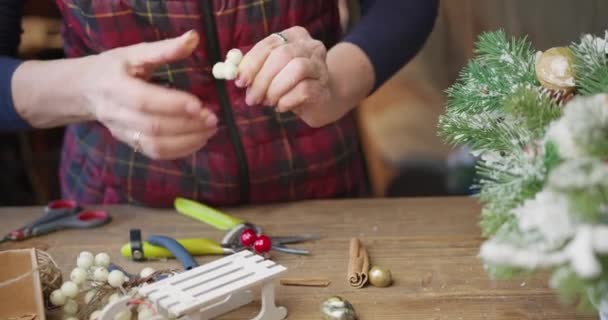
(10, 33)
(9, 119)
(391, 32)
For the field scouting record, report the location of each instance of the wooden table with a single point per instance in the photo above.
(430, 245)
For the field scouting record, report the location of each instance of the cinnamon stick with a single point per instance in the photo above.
(358, 264)
(305, 282)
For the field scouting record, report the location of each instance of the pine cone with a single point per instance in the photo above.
(561, 97)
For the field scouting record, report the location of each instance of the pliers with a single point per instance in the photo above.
(229, 244)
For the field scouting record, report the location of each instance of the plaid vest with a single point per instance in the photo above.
(257, 155)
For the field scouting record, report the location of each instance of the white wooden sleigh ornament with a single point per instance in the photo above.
(211, 290)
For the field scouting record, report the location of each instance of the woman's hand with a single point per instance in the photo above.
(292, 76)
(160, 122)
(111, 87)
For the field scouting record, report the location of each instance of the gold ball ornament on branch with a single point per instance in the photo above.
(555, 72)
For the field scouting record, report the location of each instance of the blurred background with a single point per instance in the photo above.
(398, 123)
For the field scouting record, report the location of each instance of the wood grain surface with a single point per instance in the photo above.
(430, 245)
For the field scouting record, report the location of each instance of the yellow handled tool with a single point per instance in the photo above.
(194, 246)
(206, 214)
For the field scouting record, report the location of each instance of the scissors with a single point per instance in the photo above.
(59, 214)
(229, 244)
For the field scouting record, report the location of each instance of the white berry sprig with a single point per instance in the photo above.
(228, 70)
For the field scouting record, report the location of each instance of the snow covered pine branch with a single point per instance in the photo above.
(538, 122)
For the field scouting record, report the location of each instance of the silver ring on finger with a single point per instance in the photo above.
(136, 141)
(281, 36)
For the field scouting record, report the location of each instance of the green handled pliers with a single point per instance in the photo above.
(230, 243)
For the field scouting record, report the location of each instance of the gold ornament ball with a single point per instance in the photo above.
(380, 277)
(555, 69)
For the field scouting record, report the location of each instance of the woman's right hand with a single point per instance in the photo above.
(161, 123)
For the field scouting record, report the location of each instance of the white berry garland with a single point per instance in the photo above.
(69, 289)
(70, 307)
(57, 298)
(85, 261)
(78, 276)
(102, 260)
(101, 274)
(116, 278)
(146, 272)
(91, 286)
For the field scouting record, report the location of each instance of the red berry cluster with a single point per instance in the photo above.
(260, 243)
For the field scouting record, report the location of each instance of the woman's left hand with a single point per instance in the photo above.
(292, 76)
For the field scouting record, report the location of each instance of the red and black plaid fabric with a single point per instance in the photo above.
(287, 160)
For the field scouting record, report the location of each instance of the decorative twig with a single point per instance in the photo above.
(305, 282)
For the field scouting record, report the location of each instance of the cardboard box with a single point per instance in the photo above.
(24, 296)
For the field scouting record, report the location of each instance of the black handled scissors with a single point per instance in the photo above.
(58, 215)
